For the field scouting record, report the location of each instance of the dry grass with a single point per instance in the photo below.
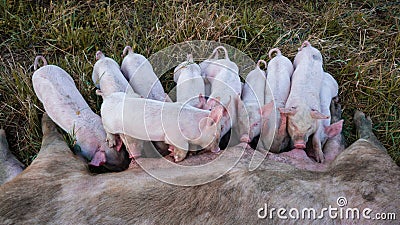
(359, 42)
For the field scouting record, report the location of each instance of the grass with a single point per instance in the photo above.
(358, 40)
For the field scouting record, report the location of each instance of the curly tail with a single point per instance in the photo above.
(278, 52)
(36, 63)
(127, 50)
(189, 58)
(305, 44)
(99, 55)
(215, 52)
(261, 61)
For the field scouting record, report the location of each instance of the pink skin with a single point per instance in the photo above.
(190, 85)
(157, 116)
(108, 77)
(66, 107)
(303, 108)
(253, 89)
(139, 72)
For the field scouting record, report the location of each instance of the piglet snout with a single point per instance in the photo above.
(300, 145)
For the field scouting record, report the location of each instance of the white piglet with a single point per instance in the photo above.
(251, 107)
(303, 104)
(66, 107)
(108, 77)
(174, 123)
(327, 130)
(279, 73)
(139, 72)
(190, 85)
(212, 66)
(223, 74)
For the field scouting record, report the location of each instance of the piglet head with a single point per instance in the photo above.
(302, 123)
(110, 158)
(211, 129)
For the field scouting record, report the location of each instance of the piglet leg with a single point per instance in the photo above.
(317, 148)
(133, 146)
(111, 140)
(179, 154)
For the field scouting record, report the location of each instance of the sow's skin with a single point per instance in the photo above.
(57, 188)
(66, 107)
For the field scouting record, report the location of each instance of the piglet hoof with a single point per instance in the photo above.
(245, 138)
(111, 140)
(320, 158)
(216, 150)
(179, 155)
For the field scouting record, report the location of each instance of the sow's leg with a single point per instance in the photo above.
(9, 165)
(364, 129)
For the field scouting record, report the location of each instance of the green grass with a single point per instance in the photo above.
(359, 42)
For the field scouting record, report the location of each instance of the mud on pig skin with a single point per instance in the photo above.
(363, 173)
(66, 107)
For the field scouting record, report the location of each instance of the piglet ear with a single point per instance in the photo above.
(99, 92)
(267, 109)
(317, 115)
(216, 114)
(202, 101)
(212, 102)
(334, 129)
(287, 111)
